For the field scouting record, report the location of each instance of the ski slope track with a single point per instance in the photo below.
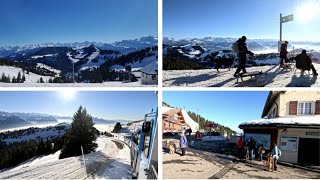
(98, 165)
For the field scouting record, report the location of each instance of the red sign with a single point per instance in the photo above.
(210, 125)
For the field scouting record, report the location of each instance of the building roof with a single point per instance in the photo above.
(190, 122)
(151, 68)
(284, 122)
(273, 95)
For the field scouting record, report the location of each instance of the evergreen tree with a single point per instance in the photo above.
(81, 133)
(14, 79)
(3, 77)
(117, 128)
(41, 80)
(23, 78)
(19, 77)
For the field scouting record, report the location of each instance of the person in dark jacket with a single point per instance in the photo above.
(252, 147)
(284, 53)
(304, 62)
(243, 51)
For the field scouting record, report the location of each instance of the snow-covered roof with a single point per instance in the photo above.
(151, 68)
(191, 123)
(298, 120)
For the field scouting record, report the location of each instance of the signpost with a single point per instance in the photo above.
(284, 20)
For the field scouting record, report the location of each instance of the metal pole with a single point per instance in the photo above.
(73, 70)
(198, 119)
(280, 27)
(84, 162)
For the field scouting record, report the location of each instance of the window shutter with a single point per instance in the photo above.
(317, 109)
(293, 107)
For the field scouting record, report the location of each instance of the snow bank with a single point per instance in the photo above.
(302, 120)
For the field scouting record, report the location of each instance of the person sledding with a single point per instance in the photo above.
(304, 62)
(241, 49)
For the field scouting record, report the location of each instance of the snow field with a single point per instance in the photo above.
(277, 77)
(13, 71)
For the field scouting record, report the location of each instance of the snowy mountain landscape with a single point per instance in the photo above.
(100, 63)
(195, 61)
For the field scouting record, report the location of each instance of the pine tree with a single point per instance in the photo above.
(14, 80)
(41, 80)
(81, 133)
(3, 77)
(117, 128)
(19, 77)
(23, 78)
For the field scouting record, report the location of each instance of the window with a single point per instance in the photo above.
(175, 117)
(304, 108)
(154, 77)
(147, 139)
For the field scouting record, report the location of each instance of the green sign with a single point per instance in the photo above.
(287, 18)
(312, 133)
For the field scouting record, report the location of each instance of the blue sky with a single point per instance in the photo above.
(102, 104)
(39, 21)
(257, 19)
(229, 108)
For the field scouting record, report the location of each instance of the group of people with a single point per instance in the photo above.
(257, 152)
(303, 61)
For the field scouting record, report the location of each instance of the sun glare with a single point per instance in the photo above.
(67, 94)
(308, 11)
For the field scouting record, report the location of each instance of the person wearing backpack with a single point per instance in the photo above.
(241, 49)
(276, 153)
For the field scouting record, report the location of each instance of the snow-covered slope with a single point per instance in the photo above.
(98, 165)
(30, 78)
(193, 125)
(211, 78)
(39, 133)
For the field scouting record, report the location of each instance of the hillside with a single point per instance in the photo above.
(92, 62)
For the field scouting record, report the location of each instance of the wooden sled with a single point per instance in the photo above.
(255, 74)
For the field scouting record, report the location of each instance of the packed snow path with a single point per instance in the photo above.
(72, 168)
(277, 77)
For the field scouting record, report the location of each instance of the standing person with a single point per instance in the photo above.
(252, 147)
(261, 151)
(276, 153)
(183, 143)
(284, 53)
(242, 55)
(240, 146)
(303, 61)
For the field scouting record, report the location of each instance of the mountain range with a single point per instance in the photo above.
(16, 119)
(61, 58)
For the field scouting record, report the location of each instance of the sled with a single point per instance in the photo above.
(255, 74)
